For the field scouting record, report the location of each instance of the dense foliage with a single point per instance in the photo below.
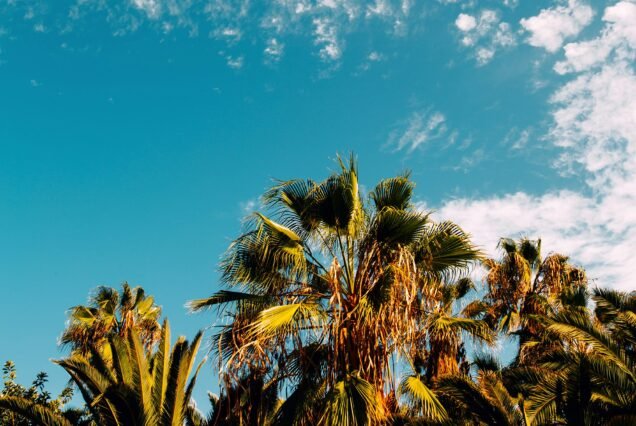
(345, 309)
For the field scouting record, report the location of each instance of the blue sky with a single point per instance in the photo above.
(135, 134)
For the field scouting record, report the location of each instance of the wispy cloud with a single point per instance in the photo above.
(249, 206)
(517, 139)
(237, 23)
(235, 62)
(273, 50)
(470, 160)
(419, 129)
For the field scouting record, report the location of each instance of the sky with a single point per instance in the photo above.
(136, 134)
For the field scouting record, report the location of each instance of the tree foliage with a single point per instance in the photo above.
(345, 308)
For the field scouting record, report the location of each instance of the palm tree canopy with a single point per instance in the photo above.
(355, 278)
(110, 312)
(138, 387)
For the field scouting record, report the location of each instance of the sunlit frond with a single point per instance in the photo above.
(422, 399)
(286, 318)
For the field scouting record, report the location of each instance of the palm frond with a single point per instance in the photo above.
(421, 398)
(353, 402)
(286, 318)
(224, 297)
(394, 192)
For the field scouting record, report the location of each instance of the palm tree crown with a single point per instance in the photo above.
(329, 289)
(109, 313)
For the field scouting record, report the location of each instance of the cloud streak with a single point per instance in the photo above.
(421, 128)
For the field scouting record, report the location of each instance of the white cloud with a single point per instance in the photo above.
(235, 62)
(469, 161)
(250, 206)
(552, 26)
(594, 126)
(375, 57)
(273, 50)
(465, 22)
(151, 7)
(618, 36)
(231, 34)
(328, 23)
(421, 127)
(485, 32)
(326, 36)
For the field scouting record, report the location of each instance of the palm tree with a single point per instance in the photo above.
(139, 388)
(111, 313)
(590, 378)
(522, 285)
(446, 354)
(134, 387)
(328, 290)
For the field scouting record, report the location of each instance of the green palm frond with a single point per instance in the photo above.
(294, 202)
(394, 192)
(610, 303)
(393, 226)
(287, 318)
(487, 362)
(421, 398)
(262, 262)
(577, 326)
(508, 245)
(224, 297)
(476, 403)
(300, 404)
(542, 404)
(353, 402)
(475, 328)
(447, 249)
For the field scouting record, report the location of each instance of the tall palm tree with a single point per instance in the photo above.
(109, 313)
(522, 285)
(329, 289)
